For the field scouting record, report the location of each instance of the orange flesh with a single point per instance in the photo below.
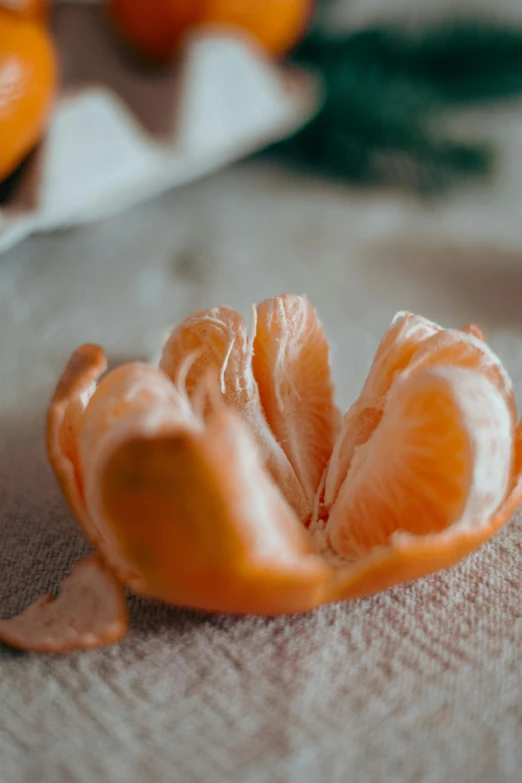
(416, 473)
(451, 347)
(409, 341)
(291, 364)
(278, 368)
(418, 490)
(181, 497)
(218, 344)
(179, 500)
(395, 352)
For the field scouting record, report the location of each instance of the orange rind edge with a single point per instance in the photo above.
(80, 618)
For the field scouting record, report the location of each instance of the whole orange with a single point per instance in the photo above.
(31, 9)
(277, 25)
(28, 77)
(157, 27)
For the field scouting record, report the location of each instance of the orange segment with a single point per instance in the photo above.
(291, 364)
(133, 393)
(412, 557)
(89, 612)
(219, 345)
(441, 456)
(409, 557)
(411, 341)
(202, 523)
(396, 350)
(405, 335)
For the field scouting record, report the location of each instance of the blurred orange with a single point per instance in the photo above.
(277, 25)
(157, 27)
(28, 77)
(33, 9)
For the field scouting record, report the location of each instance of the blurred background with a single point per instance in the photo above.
(163, 156)
(174, 155)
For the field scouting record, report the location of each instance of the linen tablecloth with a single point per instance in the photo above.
(421, 684)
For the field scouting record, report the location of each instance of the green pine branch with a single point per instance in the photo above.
(388, 93)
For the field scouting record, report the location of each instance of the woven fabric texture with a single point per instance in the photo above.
(421, 684)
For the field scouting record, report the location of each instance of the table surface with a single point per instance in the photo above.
(421, 683)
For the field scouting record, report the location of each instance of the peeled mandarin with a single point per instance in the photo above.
(220, 480)
(291, 363)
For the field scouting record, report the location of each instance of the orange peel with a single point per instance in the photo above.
(224, 479)
(89, 612)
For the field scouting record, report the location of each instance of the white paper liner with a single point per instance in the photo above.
(121, 135)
